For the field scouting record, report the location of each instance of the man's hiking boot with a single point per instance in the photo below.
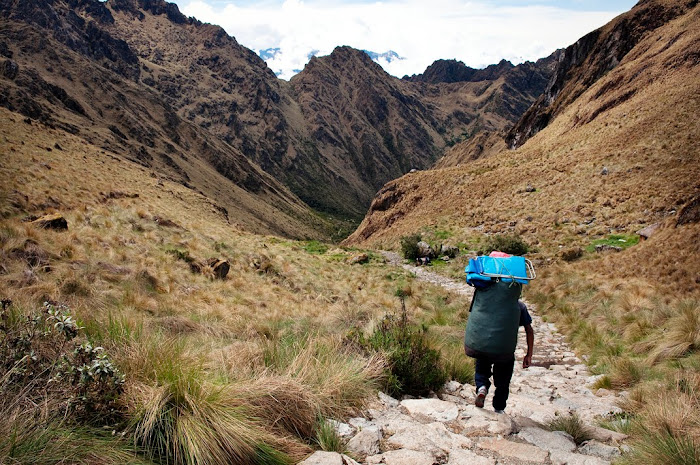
(500, 411)
(481, 397)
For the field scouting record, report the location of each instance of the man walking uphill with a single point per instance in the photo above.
(501, 368)
(495, 315)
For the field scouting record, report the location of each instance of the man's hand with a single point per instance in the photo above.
(527, 361)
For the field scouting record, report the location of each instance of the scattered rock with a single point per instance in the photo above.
(569, 458)
(646, 233)
(602, 248)
(358, 259)
(547, 440)
(365, 443)
(569, 255)
(529, 188)
(431, 409)
(424, 250)
(606, 435)
(57, 222)
(605, 171)
(434, 439)
(467, 457)
(449, 251)
(388, 400)
(602, 392)
(328, 458)
(219, 266)
(166, 223)
(599, 449)
(690, 213)
(515, 450)
(344, 430)
(402, 457)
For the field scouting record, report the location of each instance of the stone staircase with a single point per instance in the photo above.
(450, 429)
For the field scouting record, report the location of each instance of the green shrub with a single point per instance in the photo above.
(315, 247)
(41, 358)
(415, 367)
(511, 244)
(409, 246)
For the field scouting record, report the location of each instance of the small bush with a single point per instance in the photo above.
(409, 246)
(511, 244)
(315, 247)
(415, 367)
(571, 424)
(41, 358)
(662, 448)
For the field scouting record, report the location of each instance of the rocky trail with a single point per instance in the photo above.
(449, 429)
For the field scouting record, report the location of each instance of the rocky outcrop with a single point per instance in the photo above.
(589, 59)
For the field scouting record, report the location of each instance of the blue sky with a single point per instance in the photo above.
(477, 32)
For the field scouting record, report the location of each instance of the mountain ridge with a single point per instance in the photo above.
(183, 79)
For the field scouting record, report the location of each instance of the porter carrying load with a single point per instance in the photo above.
(492, 327)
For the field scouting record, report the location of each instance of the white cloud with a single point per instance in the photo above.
(474, 32)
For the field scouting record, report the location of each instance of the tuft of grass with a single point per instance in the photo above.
(315, 247)
(571, 424)
(327, 437)
(663, 448)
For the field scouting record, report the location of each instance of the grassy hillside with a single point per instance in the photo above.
(239, 370)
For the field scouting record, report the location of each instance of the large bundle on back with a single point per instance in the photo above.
(492, 327)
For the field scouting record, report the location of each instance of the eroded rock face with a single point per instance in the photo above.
(589, 59)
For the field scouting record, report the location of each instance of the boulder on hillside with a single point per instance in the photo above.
(424, 250)
(690, 213)
(219, 266)
(215, 267)
(358, 259)
(449, 250)
(646, 233)
(56, 221)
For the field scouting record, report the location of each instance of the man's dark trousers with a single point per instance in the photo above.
(502, 373)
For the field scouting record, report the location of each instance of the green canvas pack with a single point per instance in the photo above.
(494, 318)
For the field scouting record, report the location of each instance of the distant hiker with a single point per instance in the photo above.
(496, 314)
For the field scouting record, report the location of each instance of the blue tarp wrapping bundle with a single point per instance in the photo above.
(484, 270)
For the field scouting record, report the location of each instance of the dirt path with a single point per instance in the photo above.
(449, 429)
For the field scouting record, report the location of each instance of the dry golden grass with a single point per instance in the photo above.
(261, 351)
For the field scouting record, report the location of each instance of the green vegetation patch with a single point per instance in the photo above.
(315, 247)
(623, 241)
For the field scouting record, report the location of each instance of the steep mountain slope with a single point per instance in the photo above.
(509, 93)
(591, 58)
(187, 100)
(620, 156)
(62, 67)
